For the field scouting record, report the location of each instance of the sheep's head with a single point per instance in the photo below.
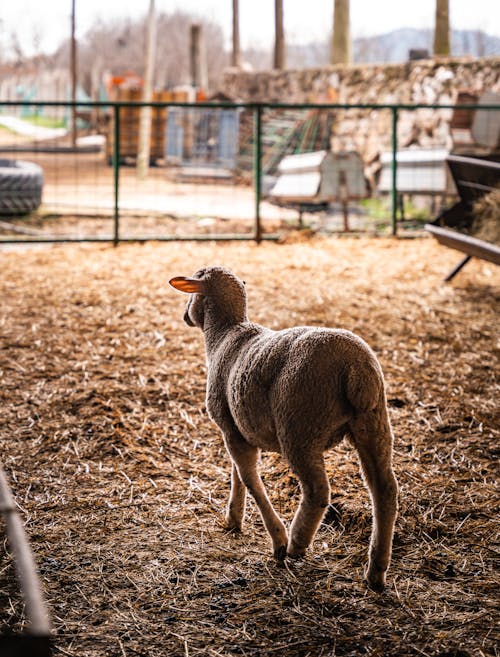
(217, 296)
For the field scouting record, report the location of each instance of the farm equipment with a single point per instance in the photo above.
(424, 171)
(310, 181)
(454, 227)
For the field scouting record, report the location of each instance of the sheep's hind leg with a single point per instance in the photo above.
(245, 458)
(373, 440)
(315, 499)
(236, 506)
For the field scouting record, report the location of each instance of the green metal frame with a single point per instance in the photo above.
(116, 174)
(394, 193)
(257, 109)
(257, 160)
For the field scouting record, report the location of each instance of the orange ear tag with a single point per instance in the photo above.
(188, 285)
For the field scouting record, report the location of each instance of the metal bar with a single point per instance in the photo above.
(242, 105)
(465, 243)
(258, 170)
(456, 269)
(116, 175)
(36, 611)
(394, 191)
(229, 237)
(73, 68)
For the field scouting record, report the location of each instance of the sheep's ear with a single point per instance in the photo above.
(188, 285)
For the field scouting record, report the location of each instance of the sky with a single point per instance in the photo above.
(48, 23)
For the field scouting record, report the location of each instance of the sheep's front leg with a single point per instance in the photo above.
(245, 459)
(315, 499)
(236, 506)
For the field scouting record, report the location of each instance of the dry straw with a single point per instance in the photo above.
(122, 479)
(486, 223)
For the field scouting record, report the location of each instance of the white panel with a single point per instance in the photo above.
(302, 162)
(297, 185)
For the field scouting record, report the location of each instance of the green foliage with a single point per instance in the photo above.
(380, 208)
(44, 121)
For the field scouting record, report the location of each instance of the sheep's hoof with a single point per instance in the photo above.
(378, 587)
(280, 553)
(375, 581)
(295, 551)
(232, 527)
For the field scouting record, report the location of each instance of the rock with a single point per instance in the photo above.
(421, 82)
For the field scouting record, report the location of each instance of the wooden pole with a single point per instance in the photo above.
(144, 145)
(442, 29)
(341, 41)
(199, 76)
(236, 54)
(279, 36)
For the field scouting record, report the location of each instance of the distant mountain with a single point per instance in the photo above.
(395, 46)
(392, 47)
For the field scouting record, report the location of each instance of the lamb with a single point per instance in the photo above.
(298, 391)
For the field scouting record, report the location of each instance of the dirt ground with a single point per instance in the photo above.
(78, 200)
(122, 479)
(83, 184)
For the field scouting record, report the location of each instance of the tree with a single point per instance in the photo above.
(341, 40)
(442, 29)
(236, 53)
(120, 43)
(16, 48)
(279, 36)
(143, 149)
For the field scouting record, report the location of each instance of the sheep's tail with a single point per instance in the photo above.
(364, 385)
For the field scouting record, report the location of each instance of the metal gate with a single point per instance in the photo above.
(206, 137)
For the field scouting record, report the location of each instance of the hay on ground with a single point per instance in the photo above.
(486, 223)
(122, 479)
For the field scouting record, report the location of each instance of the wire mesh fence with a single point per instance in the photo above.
(229, 171)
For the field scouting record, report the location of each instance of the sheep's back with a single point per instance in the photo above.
(305, 380)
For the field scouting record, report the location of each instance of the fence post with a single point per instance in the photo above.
(116, 174)
(258, 169)
(394, 197)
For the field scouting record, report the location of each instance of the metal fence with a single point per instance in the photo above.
(213, 167)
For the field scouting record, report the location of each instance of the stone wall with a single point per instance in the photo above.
(369, 131)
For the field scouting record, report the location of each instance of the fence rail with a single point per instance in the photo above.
(108, 192)
(35, 641)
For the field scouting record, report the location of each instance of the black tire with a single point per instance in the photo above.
(21, 186)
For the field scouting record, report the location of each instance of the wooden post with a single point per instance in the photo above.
(442, 29)
(279, 36)
(341, 40)
(95, 80)
(343, 192)
(198, 61)
(144, 145)
(236, 54)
